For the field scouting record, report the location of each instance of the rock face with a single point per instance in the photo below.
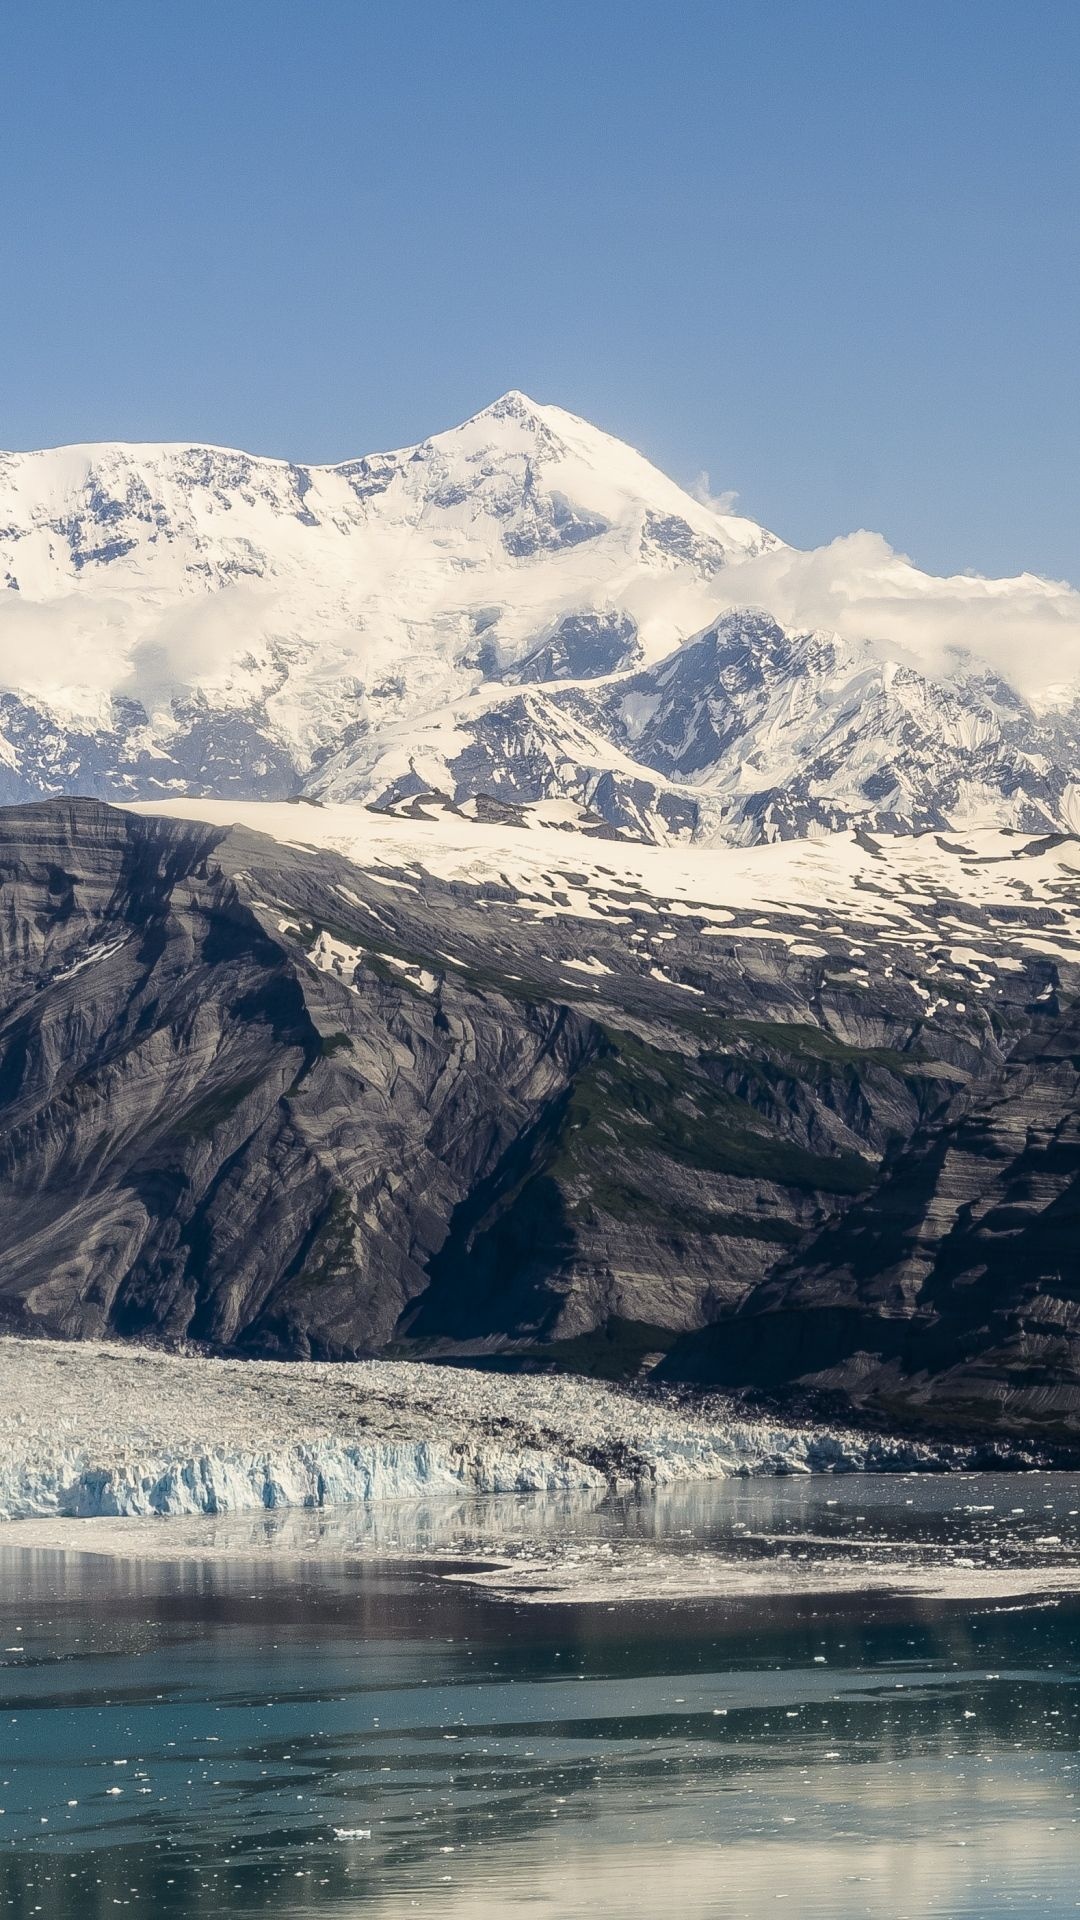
(952, 1291)
(370, 1085)
(750, 732)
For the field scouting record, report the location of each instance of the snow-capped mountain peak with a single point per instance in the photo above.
(567, 456)
(309, 602)
(521, 605)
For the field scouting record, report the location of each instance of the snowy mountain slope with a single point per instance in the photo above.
(1010, 895)
(505, 609)
(779, 733)
(746, 732)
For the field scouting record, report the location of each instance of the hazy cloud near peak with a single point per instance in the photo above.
(84, 648)
(725, 502)
(1027, 629)
(88, 648)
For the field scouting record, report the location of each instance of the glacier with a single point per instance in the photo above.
(99, 1430)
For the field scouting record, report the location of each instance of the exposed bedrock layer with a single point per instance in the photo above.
(255, 1096)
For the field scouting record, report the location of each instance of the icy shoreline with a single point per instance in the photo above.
(98, 1429)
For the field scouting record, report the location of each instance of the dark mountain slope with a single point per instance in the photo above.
(259, 1097)
(951, 1292)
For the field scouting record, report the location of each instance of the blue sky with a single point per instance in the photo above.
(828, 252)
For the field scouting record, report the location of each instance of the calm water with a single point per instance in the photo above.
(254, 1737)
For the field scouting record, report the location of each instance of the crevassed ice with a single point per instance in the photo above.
(315, 1475)
(72, 1483)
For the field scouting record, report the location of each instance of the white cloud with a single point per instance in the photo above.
(725, 502)
(197, 640)
(76, 650)
(67, 642)
(1026, 628)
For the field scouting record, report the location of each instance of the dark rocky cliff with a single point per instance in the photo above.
(951, 1291)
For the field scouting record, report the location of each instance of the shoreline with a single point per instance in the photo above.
(574, 1549)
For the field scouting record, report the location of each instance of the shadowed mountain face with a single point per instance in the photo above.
(260, 1095)
(953, 1288)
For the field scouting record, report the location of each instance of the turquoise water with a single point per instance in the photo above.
(255, 1736)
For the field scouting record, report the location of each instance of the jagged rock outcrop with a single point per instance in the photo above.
(207, 1136)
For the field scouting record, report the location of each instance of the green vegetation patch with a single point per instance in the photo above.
(632, 1097)
(799, 1041)
(331, 1043)
(200, 1121)
(620, 1199)
(331, 1255)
